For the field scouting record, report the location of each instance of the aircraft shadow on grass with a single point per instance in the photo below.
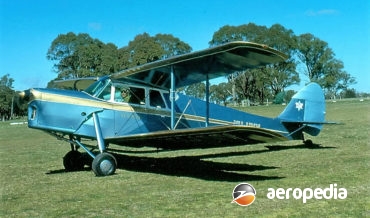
(195, 167)
(198, 167)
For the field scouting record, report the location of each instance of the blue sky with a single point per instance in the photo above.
(27, 28)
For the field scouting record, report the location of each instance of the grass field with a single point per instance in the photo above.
(192, 183)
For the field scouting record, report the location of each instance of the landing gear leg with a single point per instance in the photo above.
(104, 164)
(308, 142)
(73, 160)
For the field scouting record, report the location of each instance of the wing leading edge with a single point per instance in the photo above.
(216, 136)
(194, 67)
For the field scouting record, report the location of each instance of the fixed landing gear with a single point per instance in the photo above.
(309, 144)
(104, 164)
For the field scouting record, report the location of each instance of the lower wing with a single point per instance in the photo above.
(205, 137)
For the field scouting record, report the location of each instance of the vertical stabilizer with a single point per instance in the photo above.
(305, 112)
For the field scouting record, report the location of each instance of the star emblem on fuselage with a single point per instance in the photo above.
(299, 105)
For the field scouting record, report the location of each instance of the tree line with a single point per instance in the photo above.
(76, 56)
(80, 55)
(308, 55)
(9, 102)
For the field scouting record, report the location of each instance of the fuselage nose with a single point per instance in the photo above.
(22, 95)
(26, 95)
(29, 95)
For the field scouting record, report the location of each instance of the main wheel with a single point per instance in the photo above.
(104, 164)
(308, 143)
(73, 161)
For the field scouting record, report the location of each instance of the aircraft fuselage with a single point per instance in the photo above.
(70, 112)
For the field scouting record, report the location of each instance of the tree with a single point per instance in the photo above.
(257, 84)
(282, 74)
(221, 92)
(313, 53)
(250, 84)
(247, 32)
(349, 93)
(197, 90)
(82, 56)
(6, 96)
(6, 82)
(106, 61)
(145, 48)
(321, 66)
(171, 45)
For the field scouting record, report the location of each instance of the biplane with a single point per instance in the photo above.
(140, 107)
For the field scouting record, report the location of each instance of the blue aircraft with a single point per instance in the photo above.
(139, 107)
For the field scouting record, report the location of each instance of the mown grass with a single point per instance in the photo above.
(192, 183)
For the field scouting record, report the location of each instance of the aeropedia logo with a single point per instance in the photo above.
(331, 192)
(244, 194)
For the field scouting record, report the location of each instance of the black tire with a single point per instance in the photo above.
(87, 159)
(73, 161)
(308, 143)
(104, 164)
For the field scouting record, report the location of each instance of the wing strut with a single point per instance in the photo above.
(182, 114)
(172, 98)
(207, 100)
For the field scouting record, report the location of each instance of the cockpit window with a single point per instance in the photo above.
(118, 91)
(129, 94)
(137, 95)
(105, 94)
(97, 88)
(156, 99)
(122, 94)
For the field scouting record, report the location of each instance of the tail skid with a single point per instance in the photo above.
(305, 112)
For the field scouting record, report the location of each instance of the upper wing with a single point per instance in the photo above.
(216, 136)
(193, 67)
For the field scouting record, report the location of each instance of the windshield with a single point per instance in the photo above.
(97, 87)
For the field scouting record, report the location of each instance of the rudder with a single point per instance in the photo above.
(305, 112)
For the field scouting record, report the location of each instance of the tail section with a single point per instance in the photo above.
(305, 112)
